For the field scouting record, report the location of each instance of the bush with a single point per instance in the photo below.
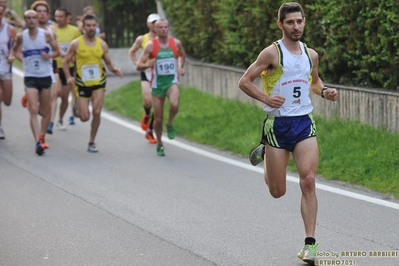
(358, 44)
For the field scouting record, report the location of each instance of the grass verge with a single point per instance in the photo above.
(349, 151)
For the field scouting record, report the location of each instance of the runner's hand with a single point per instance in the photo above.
(10, 59)
(71, 80)
(118, 72)
(274, 101)
(44, 55)
(331, 94)
(181, 71)
(151, 63)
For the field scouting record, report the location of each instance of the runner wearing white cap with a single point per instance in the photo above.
(140, 42)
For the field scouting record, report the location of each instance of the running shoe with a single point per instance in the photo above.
(2, 133)
(150, 137)
(60, 125)
(24, 101)
(145, 122)
(44, 144)
(171, 132)
(39, 148)
(308, 254)
(50, 128)
(92, 148)
(71, 120)
(160, 150)
(257, 154)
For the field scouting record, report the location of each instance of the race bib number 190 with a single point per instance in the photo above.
(166, 67)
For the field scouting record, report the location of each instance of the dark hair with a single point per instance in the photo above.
(63, 9)
(88, 17)
(286, 8)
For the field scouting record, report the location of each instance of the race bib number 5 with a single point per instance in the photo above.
(295, 92)
(166, 67)
(90, 72)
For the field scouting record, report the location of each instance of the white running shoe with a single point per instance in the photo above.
(308, 254)
(60, 125)
(92, 148)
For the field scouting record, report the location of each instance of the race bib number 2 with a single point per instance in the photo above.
(35, 65)
(90, 72)
(2, 54)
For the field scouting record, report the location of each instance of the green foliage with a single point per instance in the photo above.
(361, 42)
(124, 20)
(349, 151)
(246, 28)
(194, 24)
(357, 41)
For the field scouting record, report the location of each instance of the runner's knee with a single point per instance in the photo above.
(307, 183)
(97, 112)
(84, 117)
(277, 192)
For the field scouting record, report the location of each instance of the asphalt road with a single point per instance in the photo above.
(195, 206)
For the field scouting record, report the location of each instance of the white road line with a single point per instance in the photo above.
(247, 166)
(17, 71)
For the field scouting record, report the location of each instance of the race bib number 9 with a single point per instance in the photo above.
(90, 72)
(166, 67)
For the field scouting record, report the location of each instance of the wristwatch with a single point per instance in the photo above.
(322, 92)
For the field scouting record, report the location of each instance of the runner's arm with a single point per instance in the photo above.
(182, 57)
(12, 33)
(17, 21)
(69, 57)
(135, 47)
(267, 59)
(145, 54)
(108, 61)
(14, 52)
(54, 46)
(317, 85)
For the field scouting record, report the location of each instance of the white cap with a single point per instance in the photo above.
(153, 17)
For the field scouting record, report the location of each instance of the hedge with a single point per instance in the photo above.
(357, 41)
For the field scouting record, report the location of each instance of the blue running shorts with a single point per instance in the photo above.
(286, 132)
